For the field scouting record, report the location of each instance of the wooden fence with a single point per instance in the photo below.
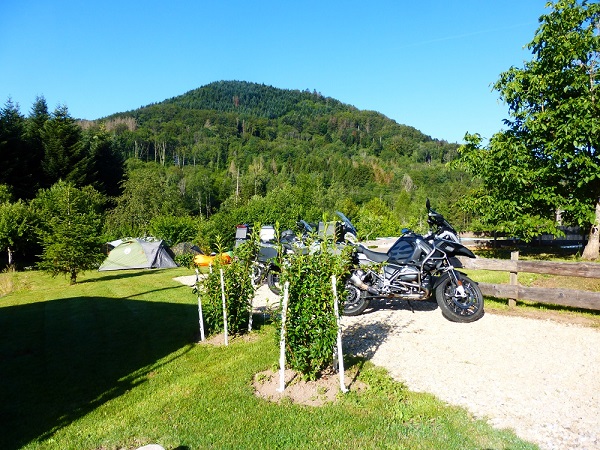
(555, 296)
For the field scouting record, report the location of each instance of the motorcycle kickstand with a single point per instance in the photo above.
(411, 306)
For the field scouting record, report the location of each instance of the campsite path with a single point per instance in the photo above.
(540, 378)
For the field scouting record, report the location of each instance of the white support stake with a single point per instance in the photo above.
(224, 307)
(281, 387)
(200, 315)
(200, 319)
(343, 387)
(251, 307)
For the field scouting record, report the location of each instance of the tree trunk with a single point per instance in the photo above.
(592, 249)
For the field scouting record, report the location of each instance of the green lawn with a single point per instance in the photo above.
(113, 363)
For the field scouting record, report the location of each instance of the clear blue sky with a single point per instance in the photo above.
(427, 64)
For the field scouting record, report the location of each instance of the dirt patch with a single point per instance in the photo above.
(319, 392)
(219, 339)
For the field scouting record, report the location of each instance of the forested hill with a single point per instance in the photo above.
(239, 143)
(239, 112)
(233, 152)
(255, 99)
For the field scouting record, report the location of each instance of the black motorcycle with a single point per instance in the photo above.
(266, 266)
(415, 268)
(439, 227)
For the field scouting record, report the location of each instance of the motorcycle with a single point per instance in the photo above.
(415, 268)
(266, 265)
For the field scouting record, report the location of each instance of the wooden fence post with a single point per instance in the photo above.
(514, 256)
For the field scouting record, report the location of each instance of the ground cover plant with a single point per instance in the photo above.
(113, 363)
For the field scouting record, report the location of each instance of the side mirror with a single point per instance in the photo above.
(428, 204)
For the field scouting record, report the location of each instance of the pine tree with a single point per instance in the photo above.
(12, 148)
(64, 155)
(70, 229)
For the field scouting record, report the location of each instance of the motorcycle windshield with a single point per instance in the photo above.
(347, 223)
(452, 248)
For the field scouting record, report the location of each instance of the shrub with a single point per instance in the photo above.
(239, 293)
(185, 260)
(311, 324)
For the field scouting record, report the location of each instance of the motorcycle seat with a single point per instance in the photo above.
(373, 256)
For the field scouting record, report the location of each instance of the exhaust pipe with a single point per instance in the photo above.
(356, 281)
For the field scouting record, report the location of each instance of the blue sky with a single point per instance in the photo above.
(427, 64)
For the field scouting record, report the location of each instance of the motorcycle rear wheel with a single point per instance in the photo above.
(356, 302)
(456, 308)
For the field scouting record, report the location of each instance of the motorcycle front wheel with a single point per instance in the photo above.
(455, 307)
(356, 302)
(258, 273)
(273, 282)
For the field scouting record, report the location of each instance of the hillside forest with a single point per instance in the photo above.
(194, 166)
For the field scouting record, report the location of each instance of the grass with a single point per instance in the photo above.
(113, 363)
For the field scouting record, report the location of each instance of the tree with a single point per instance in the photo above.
(105, 164)
(150, 190)
(12, 148)
(15, 227)
(34, 126)
(65, 157)
(174, 230)
(69, 229)
(547, 159)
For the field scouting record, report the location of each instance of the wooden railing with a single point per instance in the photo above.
(555, 296)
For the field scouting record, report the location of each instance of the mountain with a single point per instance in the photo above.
(241, 114)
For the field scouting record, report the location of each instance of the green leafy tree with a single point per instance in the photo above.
(15, 227)
(149, 191)
(238, 290)
(69, 229)
(547, 159)
(174, 230)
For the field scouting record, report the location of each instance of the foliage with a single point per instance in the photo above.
(238, 291)
(311, 324)
(174, 230)
(376, 219)
(15, 227)
(150, 191)
(5, 193)
(70, 223)
(547, 159)
(184, 260)
(64, 156)
(13, 152)
(231, 152)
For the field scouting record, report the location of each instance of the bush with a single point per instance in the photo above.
(311, 324)
(239, 293)
(185, 260)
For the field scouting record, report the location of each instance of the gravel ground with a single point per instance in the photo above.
(538, 377)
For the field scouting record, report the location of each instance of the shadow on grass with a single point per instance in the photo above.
(120, 274)
(61, 359)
